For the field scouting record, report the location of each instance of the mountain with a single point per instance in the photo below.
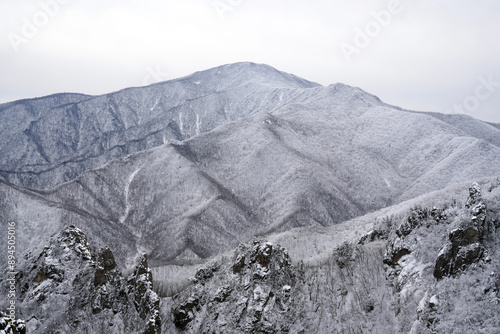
(337, 154)
(47, 141)
(186, 171)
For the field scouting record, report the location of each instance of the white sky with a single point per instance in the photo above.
(431, 56)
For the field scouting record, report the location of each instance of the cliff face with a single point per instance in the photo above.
(252, 293)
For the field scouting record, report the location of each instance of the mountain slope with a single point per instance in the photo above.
(337, 154)
(51, 140)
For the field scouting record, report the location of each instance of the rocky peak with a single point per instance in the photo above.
(64, 290)
(464, 245)
(104, 266)
(71, 240)
(146, 301)
(250, 294)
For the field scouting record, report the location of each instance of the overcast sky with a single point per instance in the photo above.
(438, 55)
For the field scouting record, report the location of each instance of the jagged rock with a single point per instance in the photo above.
(413, 221)
(465, 243)
(146, 301)
(477, 207)
(251, 294)
(104, 264)
(400, 243)
(396, 248)
(238, 263)
(462, 250)
(222, 293)
(393, 255)
(372, 236)
(474, 195)
(205, 273)
(9, 326)
(69, 289)
(184, 312)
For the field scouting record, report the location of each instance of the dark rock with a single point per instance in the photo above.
(465, 243)
(105, 263)
(238, 263)
(9, 326)
(262, 253)
(184, 313)
(462, 250)
(413, 221)
(372, 236)
(63, 287)
(205, 273)
(146, 301)
(467, 255)
(394, 255)
(444, 262)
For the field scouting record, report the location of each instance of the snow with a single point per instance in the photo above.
(126, 193)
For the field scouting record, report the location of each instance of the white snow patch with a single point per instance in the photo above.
(434, 301)
(197, 124)
(181, 123)
(156, 103)
(387, 182)
(127, 187)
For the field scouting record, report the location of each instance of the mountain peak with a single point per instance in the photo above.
(243, 73)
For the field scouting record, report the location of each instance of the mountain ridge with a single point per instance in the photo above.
(335, 153)
(93, 130)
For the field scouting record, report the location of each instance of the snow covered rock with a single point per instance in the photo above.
(70, 289)
(465, 242)
(250, 294)
(9, 326)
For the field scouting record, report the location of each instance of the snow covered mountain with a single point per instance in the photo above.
(50, 140)
(187, 170)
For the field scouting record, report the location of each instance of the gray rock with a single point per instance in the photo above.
(68, 288)
(465, 243)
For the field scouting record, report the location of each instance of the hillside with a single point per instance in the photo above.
(50, 140)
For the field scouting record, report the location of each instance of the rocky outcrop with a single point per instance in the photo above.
(69, 289)
(464, 246)
(400, 243)
(252, 294)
